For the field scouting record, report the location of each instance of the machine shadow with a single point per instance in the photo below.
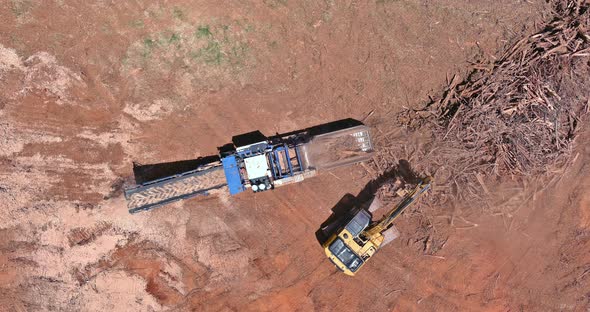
(349, 203)
(152, 172)
(147, 173)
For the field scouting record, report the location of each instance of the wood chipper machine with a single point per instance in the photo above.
(260, 163)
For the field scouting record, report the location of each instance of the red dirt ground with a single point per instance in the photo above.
(88, 88)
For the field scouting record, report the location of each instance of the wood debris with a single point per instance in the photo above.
(514, 115)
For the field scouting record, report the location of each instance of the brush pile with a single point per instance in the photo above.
(519, 112)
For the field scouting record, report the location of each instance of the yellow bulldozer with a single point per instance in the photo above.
(358, 238)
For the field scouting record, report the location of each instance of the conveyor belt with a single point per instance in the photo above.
(160, 192)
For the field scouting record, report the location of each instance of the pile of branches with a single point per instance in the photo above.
(517, 113)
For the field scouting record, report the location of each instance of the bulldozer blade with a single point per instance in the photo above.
(390, 235)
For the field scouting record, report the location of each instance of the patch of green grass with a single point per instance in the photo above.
(327, 16)
(203, 31)
(20, 7)
(156, 13)
(211, 54)
(226, 33)
(148, 45)
(219, 49)
(106, 28)
(174, 39)
(137, 23)
(214, 45)
(125, 60)
(14, 39)
(249, 28)
(177, 13)
(240, 49)
(275, 3)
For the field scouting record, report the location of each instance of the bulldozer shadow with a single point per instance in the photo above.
(349, 204)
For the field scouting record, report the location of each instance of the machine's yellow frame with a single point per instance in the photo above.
(359, 239)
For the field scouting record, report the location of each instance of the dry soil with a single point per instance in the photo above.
(88, 87)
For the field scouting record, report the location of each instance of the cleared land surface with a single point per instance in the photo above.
(88, 88)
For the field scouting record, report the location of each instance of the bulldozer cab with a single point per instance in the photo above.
(347, 250)
(343, 257)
